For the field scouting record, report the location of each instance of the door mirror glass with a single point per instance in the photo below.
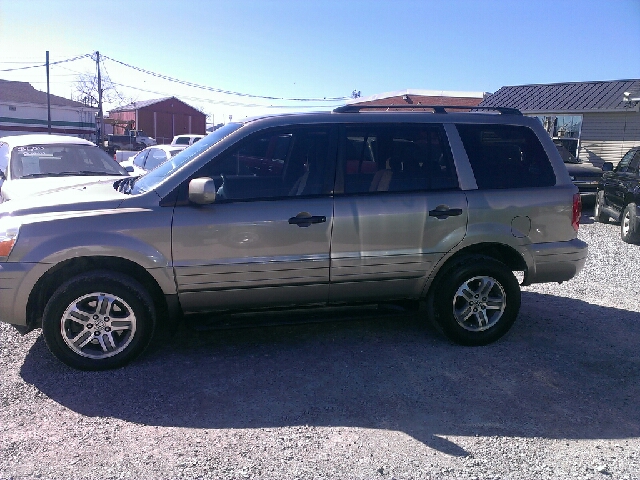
(607, 167)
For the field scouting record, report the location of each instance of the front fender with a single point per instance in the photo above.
(140, 235)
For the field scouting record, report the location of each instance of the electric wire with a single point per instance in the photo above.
(111, 83)
(50, 63)
(220, 90)
(223, 102)
(93, 55)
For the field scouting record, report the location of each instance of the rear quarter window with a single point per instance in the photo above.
(506, 156)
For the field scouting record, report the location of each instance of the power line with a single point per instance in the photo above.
(50, 63)
(226, 92)
(223, 102)
(23, 62)
(108, 77)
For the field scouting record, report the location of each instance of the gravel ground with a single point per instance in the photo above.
(381, 398)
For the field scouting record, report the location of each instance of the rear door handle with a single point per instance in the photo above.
(304, 219)
(443, 211)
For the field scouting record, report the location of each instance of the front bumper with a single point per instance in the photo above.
(555, 262)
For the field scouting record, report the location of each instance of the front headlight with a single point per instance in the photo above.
(9, 229)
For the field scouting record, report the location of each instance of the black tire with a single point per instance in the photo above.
(629, 231)
(489, 286)
(598, 214)
(98, 321)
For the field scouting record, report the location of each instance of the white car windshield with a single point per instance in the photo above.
(56, 160)
(150, 180)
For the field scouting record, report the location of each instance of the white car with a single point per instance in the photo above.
(150, 158)
(186, 140)
(38, 163)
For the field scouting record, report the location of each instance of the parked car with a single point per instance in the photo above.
(186, 140)
(150, 158)
(584, 175)
(618, 196)
(122, 155)
(33, 164)
(316, 209)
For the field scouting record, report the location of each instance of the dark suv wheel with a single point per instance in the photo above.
(477, 301)
(98, 320)
(598, 214)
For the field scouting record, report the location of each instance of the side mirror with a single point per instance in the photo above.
(202, 191)
(607, 167)
(129, 169)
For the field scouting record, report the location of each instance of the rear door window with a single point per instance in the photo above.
(506, 156)
(396, 158)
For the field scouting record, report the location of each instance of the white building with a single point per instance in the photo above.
(597, 121)
(23, 109)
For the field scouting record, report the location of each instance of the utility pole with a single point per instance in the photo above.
(48, 98)
(100, 114)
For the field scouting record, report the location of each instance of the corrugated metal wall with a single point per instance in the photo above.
(606, 136)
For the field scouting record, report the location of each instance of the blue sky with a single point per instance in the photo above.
(317, 49)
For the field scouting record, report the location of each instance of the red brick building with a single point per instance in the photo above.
(422, 97)
(161, 119)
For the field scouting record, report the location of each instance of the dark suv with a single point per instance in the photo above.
(318, 209)
(618, 195)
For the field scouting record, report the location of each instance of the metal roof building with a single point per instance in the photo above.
(601, 118)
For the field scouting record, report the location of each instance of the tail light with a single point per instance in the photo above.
(576, 212)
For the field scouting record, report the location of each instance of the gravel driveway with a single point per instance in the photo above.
(376, 398)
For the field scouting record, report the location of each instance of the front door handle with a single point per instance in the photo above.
(304, 219)
(443, 211)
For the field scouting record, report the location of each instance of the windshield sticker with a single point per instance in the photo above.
(30, 148)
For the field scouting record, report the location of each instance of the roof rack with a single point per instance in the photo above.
(435, 108)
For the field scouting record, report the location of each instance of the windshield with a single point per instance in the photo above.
(55, 160)
(151, 179)
(567, 156)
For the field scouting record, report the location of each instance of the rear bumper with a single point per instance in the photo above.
(586, 186)
(555, 262)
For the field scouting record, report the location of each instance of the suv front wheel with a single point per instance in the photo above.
(98, 320)
(477, 301)
(629, 231)
(598, 214)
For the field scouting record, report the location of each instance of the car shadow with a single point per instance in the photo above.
(567, 369)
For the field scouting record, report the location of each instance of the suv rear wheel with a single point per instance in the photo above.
(99, 320)
(477, 301)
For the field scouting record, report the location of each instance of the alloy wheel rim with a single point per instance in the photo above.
(479, 303)
(98, 325)
(626, 222)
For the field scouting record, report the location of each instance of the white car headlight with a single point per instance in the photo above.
(9, 229)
